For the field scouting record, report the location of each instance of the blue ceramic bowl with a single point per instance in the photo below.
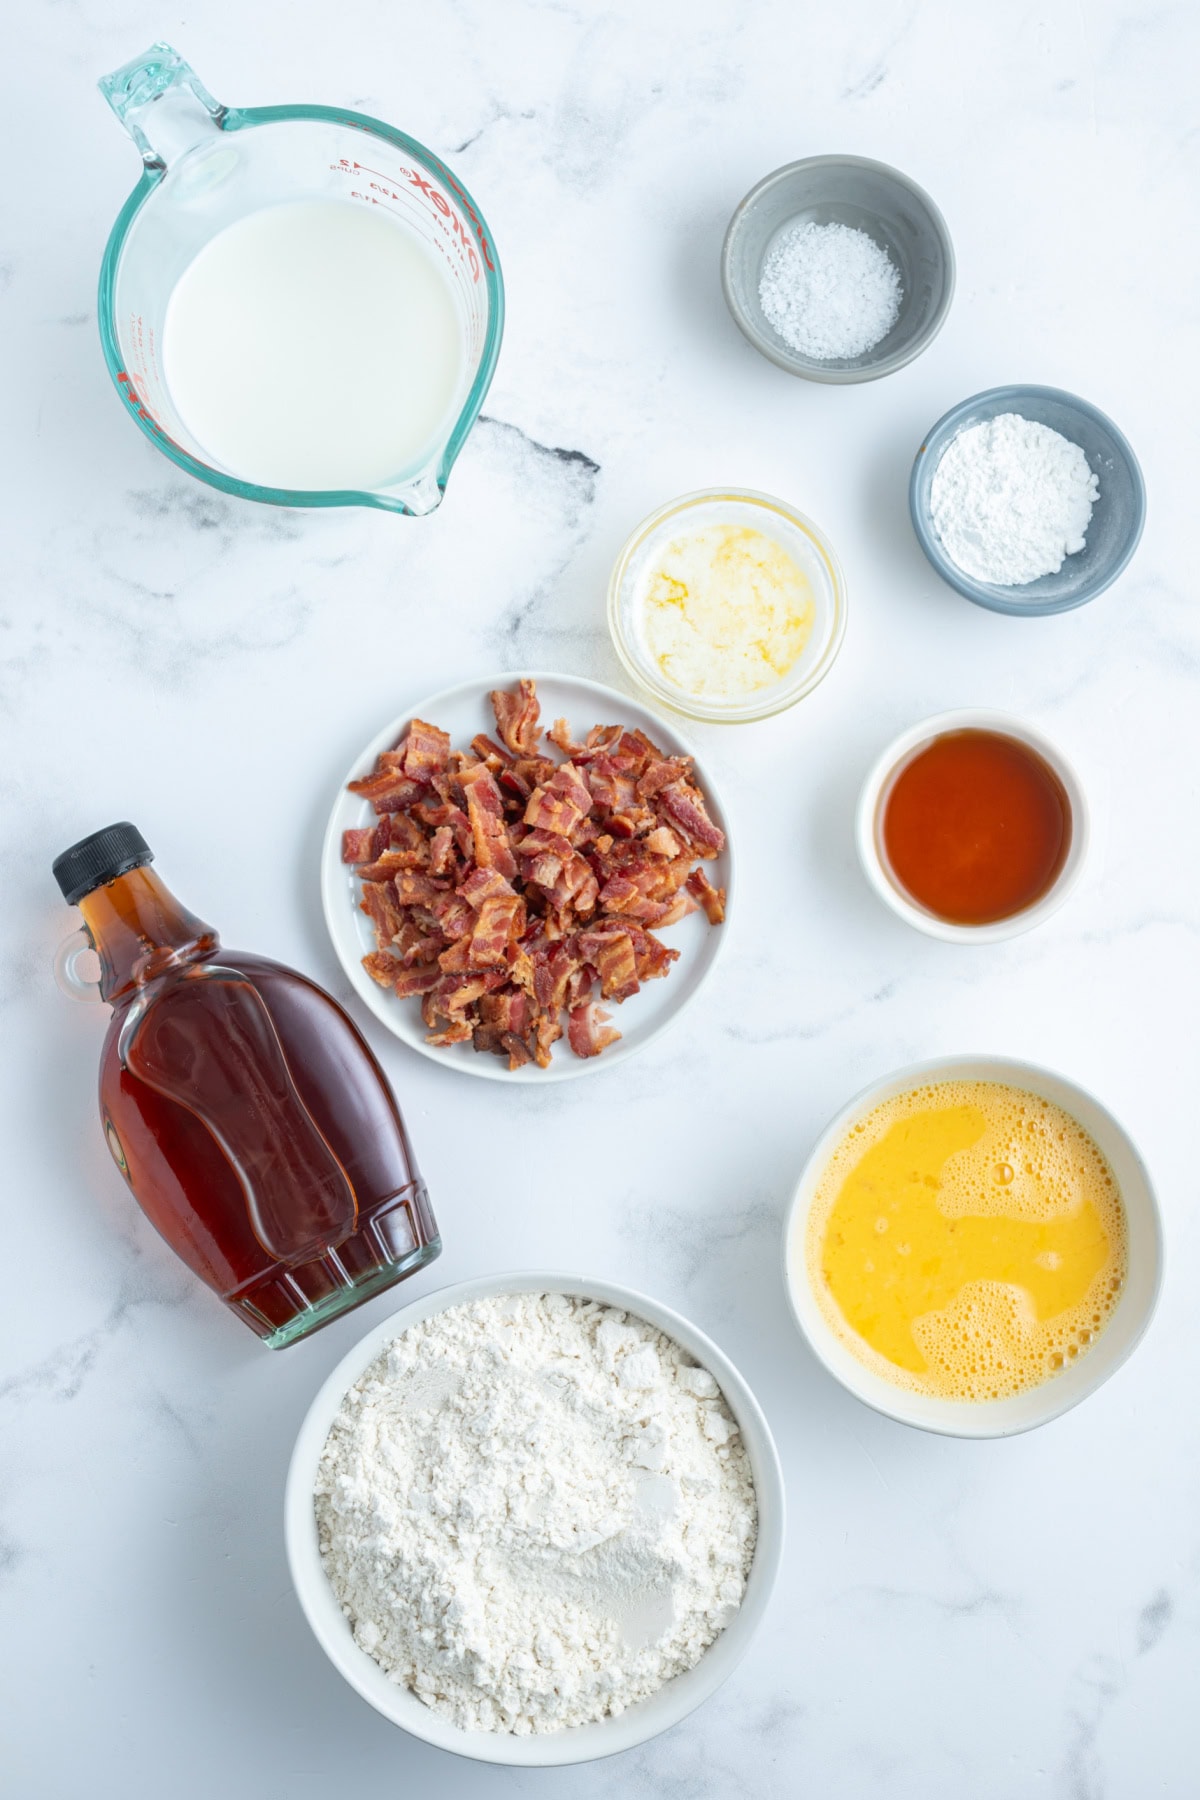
(1117, 517)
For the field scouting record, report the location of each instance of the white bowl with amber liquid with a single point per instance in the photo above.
(1036, 1405)
(872, 807)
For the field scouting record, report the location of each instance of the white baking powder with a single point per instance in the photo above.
(535, 1510)
(1011, 500)
(829, 290)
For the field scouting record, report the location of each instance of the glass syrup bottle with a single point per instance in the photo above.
(243, 1107)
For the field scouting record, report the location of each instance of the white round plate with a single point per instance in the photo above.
(463, 712)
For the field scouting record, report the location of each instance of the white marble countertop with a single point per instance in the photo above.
(994, 1620)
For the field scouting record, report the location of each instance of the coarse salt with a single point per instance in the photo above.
(830, 291)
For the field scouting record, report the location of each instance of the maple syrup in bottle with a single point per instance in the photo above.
(243, 1107)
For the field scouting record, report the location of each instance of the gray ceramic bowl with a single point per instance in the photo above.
(1117, 517)
(843, 190)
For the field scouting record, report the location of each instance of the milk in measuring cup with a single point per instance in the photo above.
(315, 344)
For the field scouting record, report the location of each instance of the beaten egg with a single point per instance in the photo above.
(968, 1240)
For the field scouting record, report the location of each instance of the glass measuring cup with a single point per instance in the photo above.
(206, 165)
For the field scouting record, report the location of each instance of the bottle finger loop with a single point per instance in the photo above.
(77, 967)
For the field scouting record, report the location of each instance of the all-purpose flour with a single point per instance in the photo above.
(535, 1510)
(1011, 500)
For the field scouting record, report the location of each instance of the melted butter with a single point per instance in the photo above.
(726, 612)
(967, 1240)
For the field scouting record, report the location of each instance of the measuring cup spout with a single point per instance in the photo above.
(421, 494)
(163, 105)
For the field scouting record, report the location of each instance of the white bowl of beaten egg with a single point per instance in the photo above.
(974, 1246)
(727, 605)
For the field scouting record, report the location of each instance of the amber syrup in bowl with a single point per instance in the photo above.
(245, 1110)
(975, 827)
(972, 826)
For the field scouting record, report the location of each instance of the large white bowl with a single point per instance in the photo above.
(463, 711)
(581, 1743)
(1021, 1412)
(869, 820)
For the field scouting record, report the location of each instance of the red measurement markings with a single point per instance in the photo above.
(438, 201)
(131, 390)
(134, 388)
(400, 211)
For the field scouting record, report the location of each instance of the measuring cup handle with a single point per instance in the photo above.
(163, 105)
(66, 973)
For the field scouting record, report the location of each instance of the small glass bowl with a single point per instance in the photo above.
(730, 506)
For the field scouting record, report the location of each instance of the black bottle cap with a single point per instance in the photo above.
(100, 858)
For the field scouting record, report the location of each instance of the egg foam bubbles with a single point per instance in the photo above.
(967, 1239)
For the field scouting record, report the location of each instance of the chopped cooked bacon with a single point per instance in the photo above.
(416, 981)
(579, 986)
(379, 904)
(546, 1033)
(576, 887)
(356, 846)
(514, 785)
(414, 889)
(413, 944)
(561, 803)
(602, 738)
(505, 914)
(677, 908)
(661, 773)
(455, 993)
(534, 771)
(442, 859)
(493, 928)
(589, 1032)
(506, 1011)
(534, 843)
(489, 830)
(489, 751)
(390, 865)
(481, 885)
(544, 870)
(560, 735)
(611, 954)
(455, 917)
(426, 751)
(458, 823)
(517, 718)
(652, 956)
(519, 1052)
(662, 842)
(553, 967)
(620, 895)
(400, 831)
(457, 1033)
(711, 899)
(455, 959)
(387, 790)
(630, 822)
(685, 804)
(381, 967)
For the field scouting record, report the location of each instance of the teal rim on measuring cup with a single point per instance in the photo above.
(206, 166)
